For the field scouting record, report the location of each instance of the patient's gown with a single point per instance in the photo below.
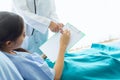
(100, 62)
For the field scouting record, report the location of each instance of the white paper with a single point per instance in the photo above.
(51, 47)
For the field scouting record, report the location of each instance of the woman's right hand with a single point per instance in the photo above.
(65, 38)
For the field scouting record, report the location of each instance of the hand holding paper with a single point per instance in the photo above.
(64, 39)
(51, 47)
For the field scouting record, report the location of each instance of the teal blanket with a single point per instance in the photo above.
(100, 62)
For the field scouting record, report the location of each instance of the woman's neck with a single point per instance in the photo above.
(9, 51)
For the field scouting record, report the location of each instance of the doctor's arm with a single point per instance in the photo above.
(64, 40)
(37, 22)
(54, 17)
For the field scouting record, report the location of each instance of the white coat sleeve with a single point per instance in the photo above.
(35, 21)
(53, 14)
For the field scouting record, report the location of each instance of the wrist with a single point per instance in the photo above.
(63, 48)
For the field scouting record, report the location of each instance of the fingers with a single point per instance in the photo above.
(67, 32)
(60, 25)
(56, 27)
(65, 37)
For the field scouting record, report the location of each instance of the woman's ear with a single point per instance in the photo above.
(8, 43)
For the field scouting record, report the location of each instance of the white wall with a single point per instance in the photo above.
(99, 19)
(5, 5)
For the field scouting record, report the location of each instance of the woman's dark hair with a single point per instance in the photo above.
(11, 27)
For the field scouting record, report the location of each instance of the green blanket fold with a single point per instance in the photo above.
(100, 62)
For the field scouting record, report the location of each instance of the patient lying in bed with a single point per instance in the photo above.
(100, 62)
(96, 63)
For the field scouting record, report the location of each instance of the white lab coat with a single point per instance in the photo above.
(45, 12)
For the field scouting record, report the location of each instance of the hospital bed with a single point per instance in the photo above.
(96, 65)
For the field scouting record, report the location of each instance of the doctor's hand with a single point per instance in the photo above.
(56, 27)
